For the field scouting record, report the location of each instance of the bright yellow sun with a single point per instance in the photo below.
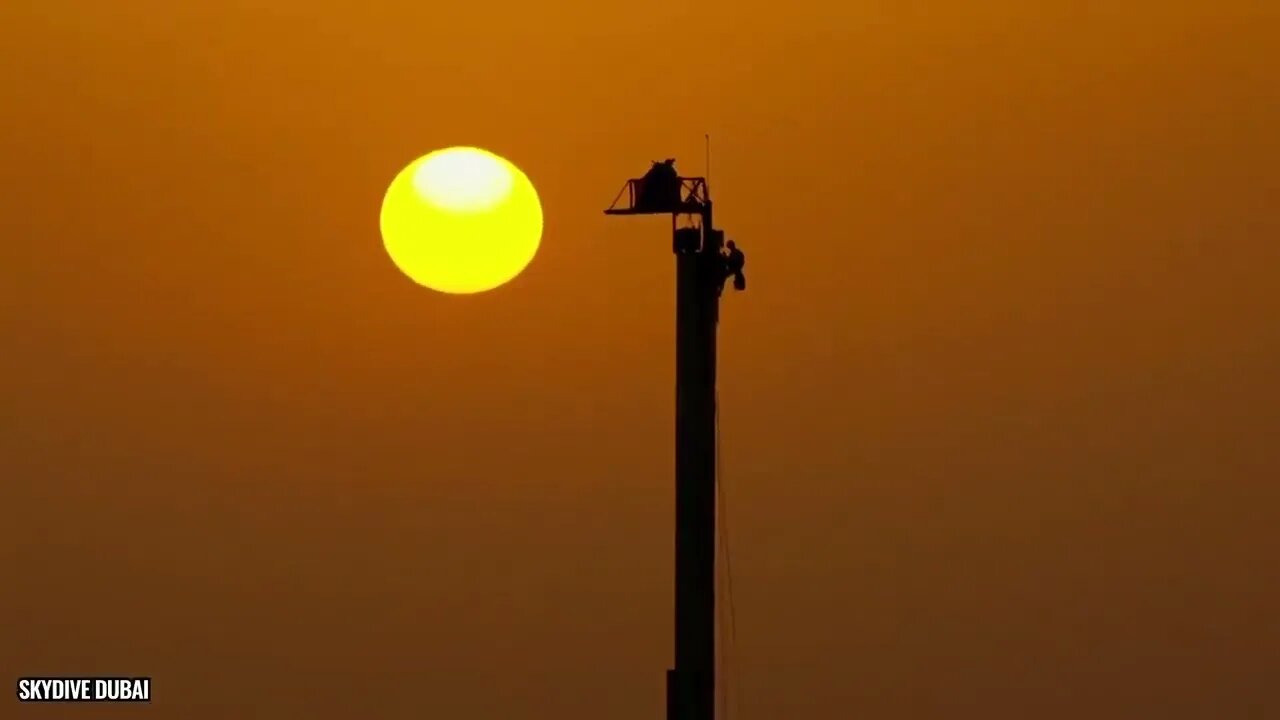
(461, 220)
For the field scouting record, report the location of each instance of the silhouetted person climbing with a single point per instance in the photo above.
(733, 264)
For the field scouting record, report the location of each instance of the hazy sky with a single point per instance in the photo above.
(999, 412)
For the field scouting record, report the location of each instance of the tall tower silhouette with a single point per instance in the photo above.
(702, 269)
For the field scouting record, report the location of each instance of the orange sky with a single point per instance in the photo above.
(999, 411)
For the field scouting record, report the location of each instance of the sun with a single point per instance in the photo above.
(461, 220)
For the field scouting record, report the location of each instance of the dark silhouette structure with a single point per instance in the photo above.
(702, 267)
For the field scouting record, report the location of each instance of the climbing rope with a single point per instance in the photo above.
(728, 635)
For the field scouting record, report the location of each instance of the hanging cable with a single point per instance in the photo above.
(722, 533)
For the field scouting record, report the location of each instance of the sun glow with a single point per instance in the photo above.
(461, 220)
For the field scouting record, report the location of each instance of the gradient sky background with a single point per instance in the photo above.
(1000, 410)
